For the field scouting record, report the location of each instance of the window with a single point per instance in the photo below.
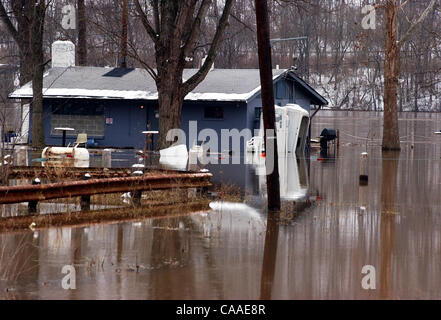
(83, 109)
(83, 116)
(214, 113)
(257, 113)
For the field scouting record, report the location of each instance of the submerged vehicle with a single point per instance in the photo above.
(292, 126)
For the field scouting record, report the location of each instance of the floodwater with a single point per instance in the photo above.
(315, 251)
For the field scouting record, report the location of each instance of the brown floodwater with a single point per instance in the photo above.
(235, 252)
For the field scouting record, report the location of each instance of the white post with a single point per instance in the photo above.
(364, 178)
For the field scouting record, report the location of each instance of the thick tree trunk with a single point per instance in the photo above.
(38, 140)
(391, 138)
(82, 34)
(26, 64)
(23, 13)
(170, 104)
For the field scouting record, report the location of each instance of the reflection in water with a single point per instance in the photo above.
(293, 177)
(269, 256)
(389, 182)
(388, 211)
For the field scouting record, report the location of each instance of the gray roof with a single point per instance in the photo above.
(116, 83)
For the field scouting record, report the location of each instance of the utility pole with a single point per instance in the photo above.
(82, 34)
(124, 35)
(269, 116)
(304, 52)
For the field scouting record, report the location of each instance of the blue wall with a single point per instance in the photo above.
(235, 117)
(130, 119)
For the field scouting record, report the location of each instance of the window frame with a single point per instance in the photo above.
(214, 118)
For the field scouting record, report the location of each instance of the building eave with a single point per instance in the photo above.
(322, 101)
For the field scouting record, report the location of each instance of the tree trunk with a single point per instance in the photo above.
(38, 140)
(170, 104)
(82, 34)
(391, 138)
(26, 65)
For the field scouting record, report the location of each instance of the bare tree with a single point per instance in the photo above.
(22, 13)
(30, 17)
(391, 137)
(175, 30)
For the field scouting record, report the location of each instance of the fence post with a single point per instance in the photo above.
(32, 205)
(85, 200)
(364, 177)
(137, 195)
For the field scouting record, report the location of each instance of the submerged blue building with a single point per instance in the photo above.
(114, 106)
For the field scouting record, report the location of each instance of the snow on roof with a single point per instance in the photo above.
(133, 84)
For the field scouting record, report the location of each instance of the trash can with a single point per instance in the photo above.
(326, 136)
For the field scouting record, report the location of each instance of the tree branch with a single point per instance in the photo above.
(116, 38)
(196, 79)
(152, 33)
(8, 23)
(195, 29)
(243, 23)
(415, 25)
(182, 21)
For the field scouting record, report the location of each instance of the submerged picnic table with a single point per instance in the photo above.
(64, 133)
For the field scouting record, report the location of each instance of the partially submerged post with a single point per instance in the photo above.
(364, 177)
(32, 205)
(363, 191)
(137, 195)
(85, 200)
(266, 79)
